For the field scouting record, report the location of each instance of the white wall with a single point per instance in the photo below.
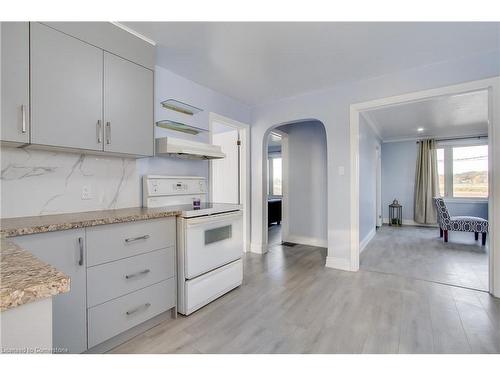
(398, 182)
(398, 176)
(41, 182)
(331, 107)
(369, 142)
(307, 183)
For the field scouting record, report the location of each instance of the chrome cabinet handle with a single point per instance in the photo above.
(145, 237)
(132, 275)
(80, 245)
(139, 308)
(99, 129)
(108, 133)
(23, 118)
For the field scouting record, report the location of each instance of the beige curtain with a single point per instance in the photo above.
(426, 183)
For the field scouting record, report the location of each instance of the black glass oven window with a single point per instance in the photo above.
(218, 234)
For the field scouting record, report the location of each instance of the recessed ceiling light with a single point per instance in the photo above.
(420, 129)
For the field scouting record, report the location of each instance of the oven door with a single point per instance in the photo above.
(211, 242)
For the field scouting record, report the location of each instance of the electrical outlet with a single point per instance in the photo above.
(86, 192)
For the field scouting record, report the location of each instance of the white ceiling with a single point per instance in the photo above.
(257, 62)
(441, 117)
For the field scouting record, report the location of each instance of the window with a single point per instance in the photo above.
(470, 172)
(463, 170)
(274, 168)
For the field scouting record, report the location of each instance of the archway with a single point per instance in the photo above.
(305, 187)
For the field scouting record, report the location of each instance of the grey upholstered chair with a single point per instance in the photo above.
(459, 223)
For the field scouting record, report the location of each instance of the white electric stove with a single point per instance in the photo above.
(209, 239)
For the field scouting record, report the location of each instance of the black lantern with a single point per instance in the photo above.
(395, 213)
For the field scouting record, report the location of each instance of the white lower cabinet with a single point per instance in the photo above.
(65, 250)
(133, 283)
(131, 275)
(109, 280)
(118, 315)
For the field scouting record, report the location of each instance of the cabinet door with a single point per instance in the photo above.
(66, 90)
(62, 250)
(15, 81)
(128, 107)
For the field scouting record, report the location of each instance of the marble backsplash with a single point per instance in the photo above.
(35, 182)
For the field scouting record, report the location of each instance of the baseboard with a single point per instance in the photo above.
(303, 240)
(366, 240)
(338, 263)
(411, 222)
(257, 248)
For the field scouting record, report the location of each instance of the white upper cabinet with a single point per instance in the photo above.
(128, 107)
(15, 82)
(62, 88)
(66, 90)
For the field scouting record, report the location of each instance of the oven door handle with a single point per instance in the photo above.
(212, 219)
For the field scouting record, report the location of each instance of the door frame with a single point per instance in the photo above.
(378, 187)
(244, 133)
(285, 170)
(493, 87)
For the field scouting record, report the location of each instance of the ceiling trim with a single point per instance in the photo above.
(406, 139)
(133, 32)
(372, 124)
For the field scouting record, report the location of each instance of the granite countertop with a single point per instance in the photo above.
(50, 223)
(25, 278)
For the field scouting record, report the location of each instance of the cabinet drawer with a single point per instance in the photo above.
(108, 243)
(115, 279)
(116, 316)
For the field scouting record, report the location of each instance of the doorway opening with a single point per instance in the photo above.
(229, 177)
(296, 185)
(275, 153)
(444, 233)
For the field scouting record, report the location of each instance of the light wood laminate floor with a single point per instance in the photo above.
(290, 303)
(419, 252)
(274, 234)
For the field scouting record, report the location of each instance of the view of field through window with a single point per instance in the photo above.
(469, 169)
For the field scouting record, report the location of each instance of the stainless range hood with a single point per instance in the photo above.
(181, 148)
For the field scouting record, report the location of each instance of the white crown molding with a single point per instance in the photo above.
(406, 139)
(133, 32)
(372, 125)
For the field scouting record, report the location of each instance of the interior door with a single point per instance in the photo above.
(128, 107)
(15, 81)
(226, 172)
(66, 90)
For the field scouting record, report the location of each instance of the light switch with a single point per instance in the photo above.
(341, 171)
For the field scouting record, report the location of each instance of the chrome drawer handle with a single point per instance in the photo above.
(132, 275)
(139, 308)
(99, 130)
(23, 119)
(80, 246)
(108, 133)
(145, 237)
